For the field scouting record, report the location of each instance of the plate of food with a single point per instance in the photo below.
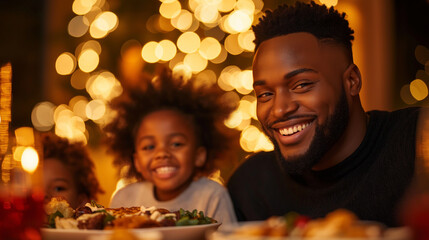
(340, 224)
(94, 222)
(174, 233)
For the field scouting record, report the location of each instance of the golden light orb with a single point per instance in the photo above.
(65, 64)
(418, 89)
(88, 60)
(78, 26)
(329, 3)
(195, 61)
(188, 42)
(149, 52)
(239, 21)
(170, 9)
(42, 116)
(183, 21)
(210, 48)
(30, 159)
(166, 50)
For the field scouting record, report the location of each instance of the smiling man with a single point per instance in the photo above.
(329, 153)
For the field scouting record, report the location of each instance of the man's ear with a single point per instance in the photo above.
(352, 79)
(201, 157)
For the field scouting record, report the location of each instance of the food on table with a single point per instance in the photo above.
(60, 205)
(95, 216)
(342, 223)
(339, 223)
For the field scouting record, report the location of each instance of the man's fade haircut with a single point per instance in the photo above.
(324, 23)
(204, 104)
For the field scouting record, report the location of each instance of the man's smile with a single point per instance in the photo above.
(292, 130)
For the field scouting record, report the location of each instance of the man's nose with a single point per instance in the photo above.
(284, 105)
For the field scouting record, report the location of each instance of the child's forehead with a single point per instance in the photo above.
(168, 119)
(163, 113)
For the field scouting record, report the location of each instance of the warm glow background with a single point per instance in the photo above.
(71, 57)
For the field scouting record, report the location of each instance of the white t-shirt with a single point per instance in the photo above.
(203, 194)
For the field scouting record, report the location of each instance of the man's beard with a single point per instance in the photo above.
(325, 137)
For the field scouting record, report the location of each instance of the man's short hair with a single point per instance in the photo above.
(324, 23)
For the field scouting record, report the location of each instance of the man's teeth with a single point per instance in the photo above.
(163, 170)
(294, 129)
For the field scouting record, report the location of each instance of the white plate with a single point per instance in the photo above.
(196, 232)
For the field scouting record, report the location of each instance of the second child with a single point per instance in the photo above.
(169, 134)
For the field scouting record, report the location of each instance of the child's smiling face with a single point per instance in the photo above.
(167, 152)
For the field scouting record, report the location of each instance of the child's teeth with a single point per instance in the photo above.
(165, 169)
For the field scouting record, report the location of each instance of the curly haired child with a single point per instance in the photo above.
(68, 171)
(170, 133)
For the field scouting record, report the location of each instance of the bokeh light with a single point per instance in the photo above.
(232, 45)
(207, 13)
(149, 52)
(182, 70)
(65, 64)
(165, 50)
(418, 89)
(222, 56)
(42, 116)
(245, 40)
(170, 9)
(103, 24)
(196, 62)
(81, 7)
(205, 78)
(239, 21)
(95, 109)
(183, 21)
(210, 48)
(29, 159)
(88, 60)
(226, 5)
(188, 42)
(78, 79)
(103, 85)
(78, 105)
(329, 3)
(78, 26)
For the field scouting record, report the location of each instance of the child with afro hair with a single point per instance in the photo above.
(169, 134)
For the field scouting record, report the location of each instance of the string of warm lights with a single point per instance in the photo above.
(5, 119)
(5, 105)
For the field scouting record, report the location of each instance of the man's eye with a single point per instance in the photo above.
(303, 86)
(264, 95)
